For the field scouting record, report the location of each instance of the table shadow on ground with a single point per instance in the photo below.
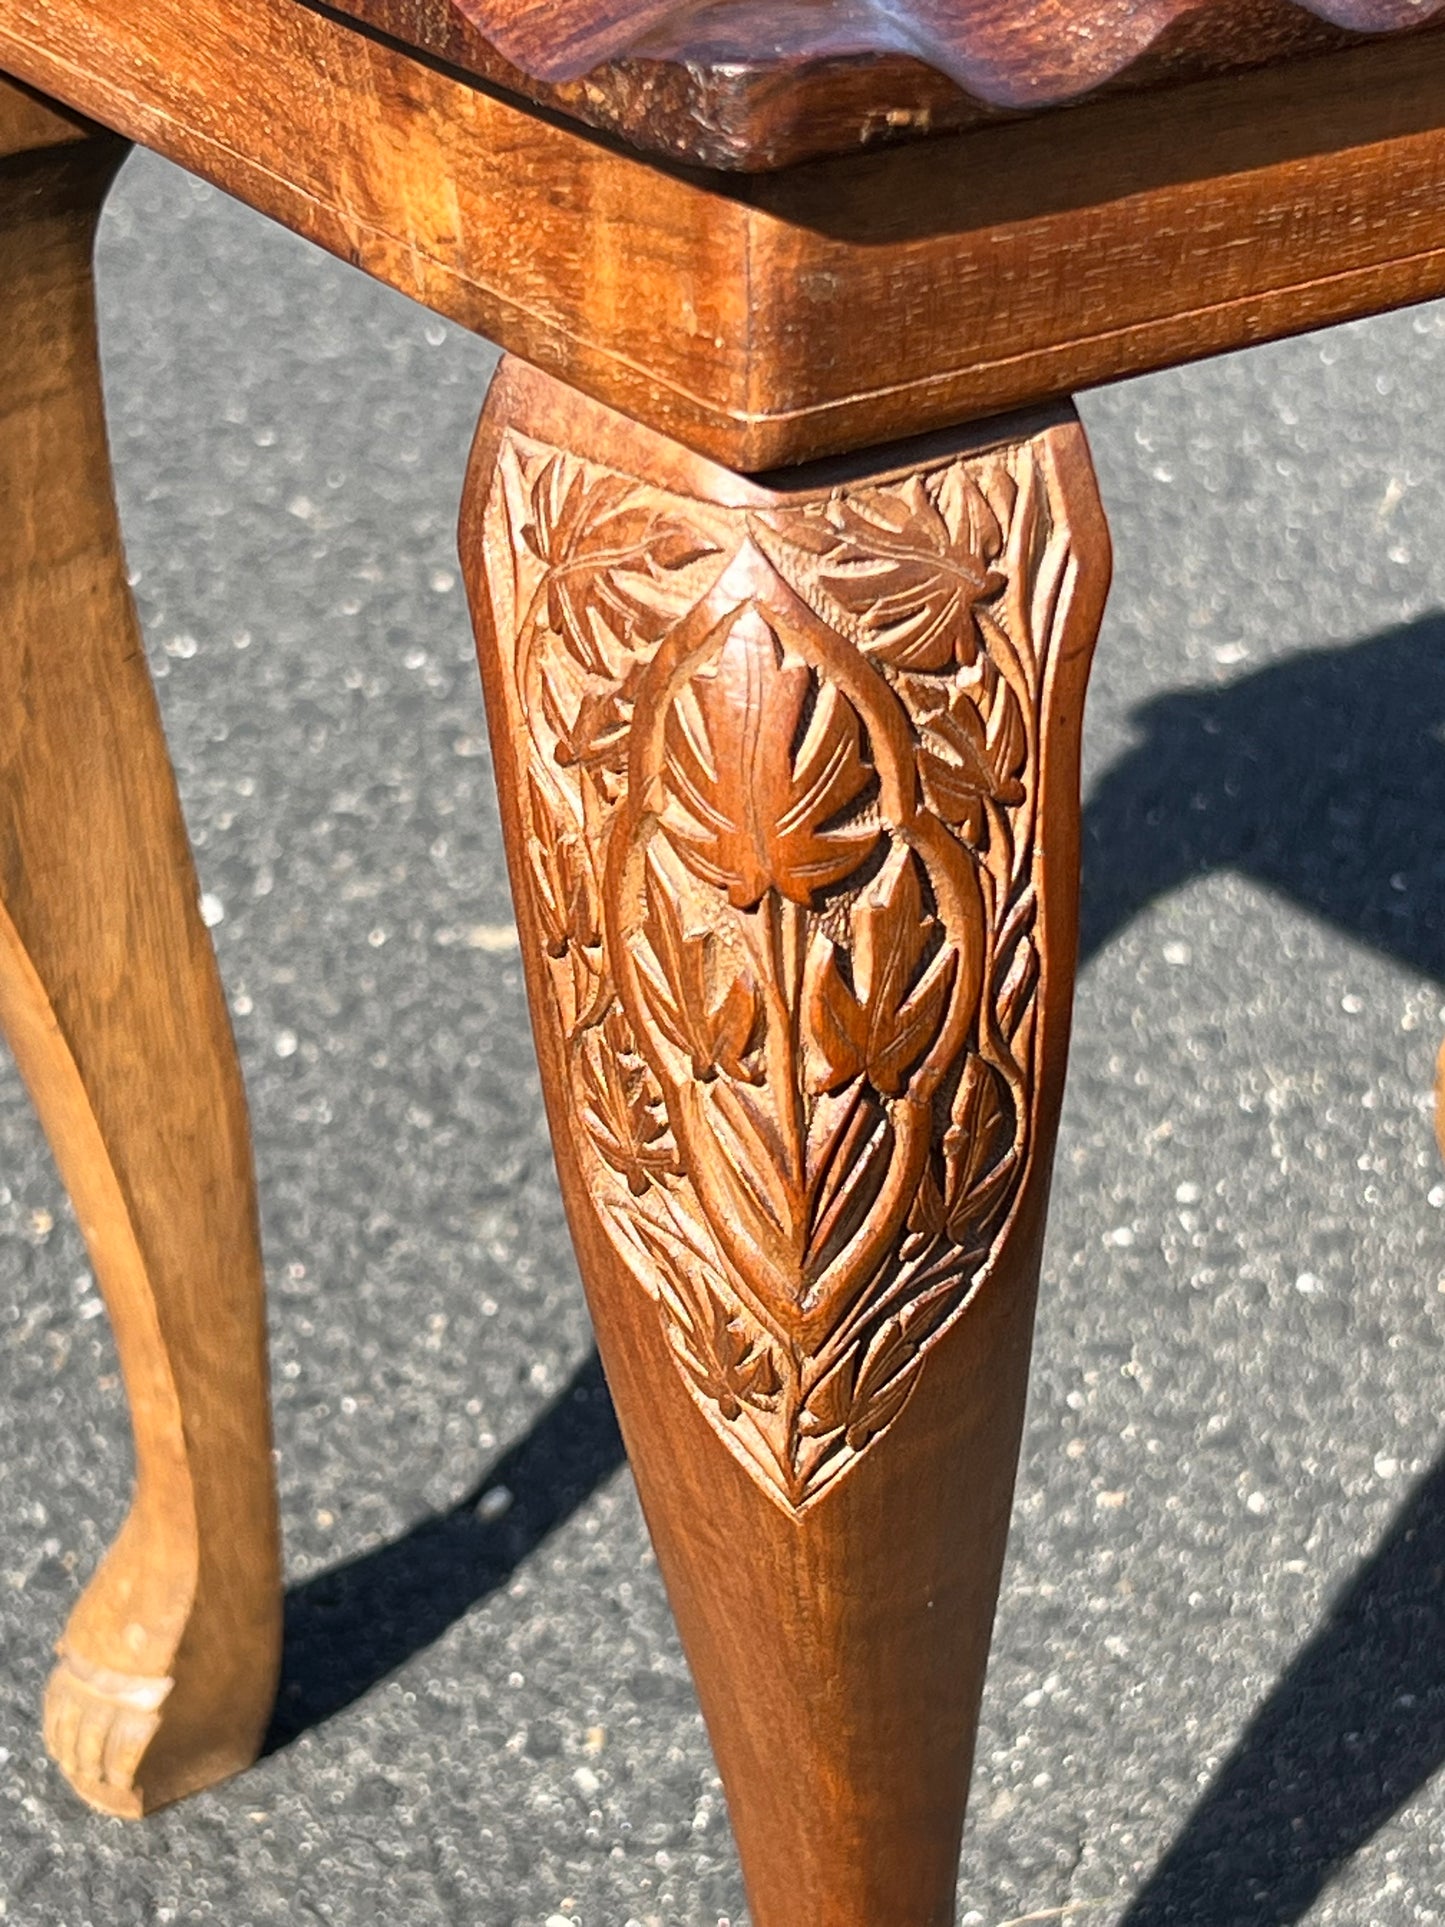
(352, 1626)
(1323, 778)
(1346, 1737)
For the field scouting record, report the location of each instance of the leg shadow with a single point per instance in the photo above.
(1352, 1730)
(351, 1627)
(1322, 777)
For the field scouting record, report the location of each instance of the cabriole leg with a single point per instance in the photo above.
(110, 999)
(790, 781)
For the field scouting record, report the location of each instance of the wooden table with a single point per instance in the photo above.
(788, 740)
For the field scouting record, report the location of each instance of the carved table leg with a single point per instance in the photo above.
(110, 1000)
(790, 782)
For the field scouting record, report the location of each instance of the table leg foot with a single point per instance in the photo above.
(111, 1002)
(789, 773)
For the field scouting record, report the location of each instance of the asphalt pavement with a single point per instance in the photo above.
(1218, 1690)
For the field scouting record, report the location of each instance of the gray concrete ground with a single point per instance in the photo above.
(1218, 1696)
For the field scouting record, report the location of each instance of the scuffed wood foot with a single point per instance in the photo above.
(99, 1726)
(110, 1000)
(789, 773)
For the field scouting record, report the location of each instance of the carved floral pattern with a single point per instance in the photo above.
(781, 794)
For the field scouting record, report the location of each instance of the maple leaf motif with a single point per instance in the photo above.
(623, 1109)
(745, 811)
(959, 767)
(744, 1369)
(890, 1018)
(909, 564)
(715, 1026)
(605, 548)
(728, 1357)
(749, 1380)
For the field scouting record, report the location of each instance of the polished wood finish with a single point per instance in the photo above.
(731, 108)
(110, 1000)
(531, 234)
(762, 84)
(764, 320)
(789, 777)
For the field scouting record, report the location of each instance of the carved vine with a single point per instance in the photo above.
(780, 791)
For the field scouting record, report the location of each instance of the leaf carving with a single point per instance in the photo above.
(596, 736)
(959, 766)
(884, 1382)
(826, 1409)
(728, 1357)
(742, 1370)
(892, 1361)
(890, 1017)
(802, 1177)
(973, 1137)
(908, 564)
(566, 901)
(1008, 746)
(604, 547)
(976, 1150)
(928, 1217)
(622, 1108)
(710, 1013)
(749, 806)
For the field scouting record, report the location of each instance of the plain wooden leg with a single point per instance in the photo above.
(790, 782)
(110, 999)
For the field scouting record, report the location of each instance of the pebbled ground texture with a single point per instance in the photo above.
(1218, 1692)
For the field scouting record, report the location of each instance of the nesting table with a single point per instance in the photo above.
(786, 561)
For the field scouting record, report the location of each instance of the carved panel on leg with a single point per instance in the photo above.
(785, 770)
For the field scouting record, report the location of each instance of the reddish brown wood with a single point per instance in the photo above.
(789, 772)
(1015, 52)
(789, 776)
(110, 1000)
(768, 319)
(734, 107)
(754, 85)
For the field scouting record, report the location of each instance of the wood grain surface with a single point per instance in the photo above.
(767, 319)
(789, 777)
(110, 1000)
(1015, 52)
(754, 85)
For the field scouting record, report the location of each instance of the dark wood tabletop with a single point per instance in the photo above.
(754, 85)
